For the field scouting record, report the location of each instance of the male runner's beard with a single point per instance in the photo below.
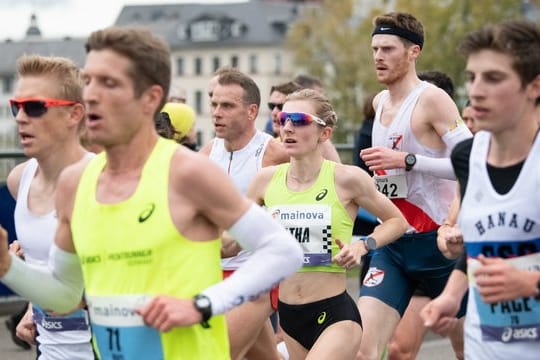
(396, 73)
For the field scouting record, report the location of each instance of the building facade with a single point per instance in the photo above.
(203, 37)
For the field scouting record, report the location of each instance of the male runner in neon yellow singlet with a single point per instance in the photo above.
(139, 224)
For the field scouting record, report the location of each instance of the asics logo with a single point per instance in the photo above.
(51, 325)
(321, 195)
(321, 318)
(147, 212)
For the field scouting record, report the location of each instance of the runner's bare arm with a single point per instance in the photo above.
(14, 178)
(275, 154)
(275, 254)
(449, 236)
(205, 150)
(366, 196)
(258, 185)
(59, 287)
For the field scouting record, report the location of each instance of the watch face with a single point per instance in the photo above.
(371, 243)
(410, 159)
(202, 302)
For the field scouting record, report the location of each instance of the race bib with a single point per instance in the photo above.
(119, 332)
(311, 226)
(509, 321)
(392, 186)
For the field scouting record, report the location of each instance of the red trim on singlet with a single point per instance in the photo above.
(415, 216)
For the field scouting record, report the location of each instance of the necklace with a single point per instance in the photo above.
(306, 180)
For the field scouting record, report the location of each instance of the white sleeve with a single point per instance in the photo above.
(58, 287)
(438, 167)
(442, 167)
(275, 255)
(455, 136)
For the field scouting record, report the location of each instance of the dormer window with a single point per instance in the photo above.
(208, 28)
(205, 30)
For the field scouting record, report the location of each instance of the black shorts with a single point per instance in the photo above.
(305, 322)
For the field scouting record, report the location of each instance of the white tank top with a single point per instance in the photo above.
(36, 235)
(35, 232)
(428, 197)
(241, 165)
(506, 226)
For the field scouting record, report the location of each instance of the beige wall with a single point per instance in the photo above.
(265, 77)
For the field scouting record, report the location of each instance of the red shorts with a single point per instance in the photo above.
(274, 293)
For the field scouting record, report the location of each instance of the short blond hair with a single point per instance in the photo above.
(62, 69)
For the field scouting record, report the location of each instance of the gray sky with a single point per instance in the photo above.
(59, 18)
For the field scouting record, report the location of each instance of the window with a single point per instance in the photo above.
(7, 84)
(5, 111)
(198, 101)
(180, 66)
(197, 66)
(199, 138)
(205, 30)
(277, 64)
(215, 63)
(234, 61)
(253, 64)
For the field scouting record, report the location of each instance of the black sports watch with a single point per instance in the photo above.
(371, 243)
(204, 306)
(410, 161)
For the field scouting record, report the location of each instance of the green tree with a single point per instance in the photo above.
(332, 42)
(327, 45)
(447, 22)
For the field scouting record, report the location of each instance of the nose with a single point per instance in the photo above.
(215, 110)
(89, 92)
(21, 115)
(376, 54)
(287, 126)
(275, 111)
(474, 88)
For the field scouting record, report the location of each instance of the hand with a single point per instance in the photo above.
(439, 314)
(383, 158)
(166, 312)
(229, 247)
(5, 259)
(450, 241)
(16, 249)
(26, 329)
(349, 255)
(498, 280)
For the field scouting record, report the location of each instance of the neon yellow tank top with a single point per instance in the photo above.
(315, 217)
(131, 251)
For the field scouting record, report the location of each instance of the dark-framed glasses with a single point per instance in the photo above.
(35, 107)
(272, 105)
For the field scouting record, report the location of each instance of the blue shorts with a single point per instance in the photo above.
(412, 262)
